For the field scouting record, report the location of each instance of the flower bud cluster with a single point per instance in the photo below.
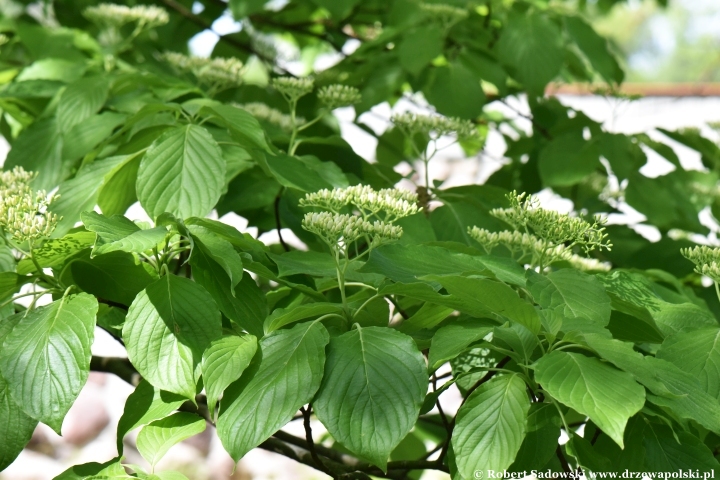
(445, 14)
(336, 96)
(436, 125)
(112, 15)
(293, 88)
(271, 115)
(551, 226)
(336, 228)
(216, 72)
(523, 246)
(24, 213)
(392, 202)
(706, 260)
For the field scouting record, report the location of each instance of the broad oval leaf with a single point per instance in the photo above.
(450, 340)
(374, 385)
(16, 427)
(698, 354)
(168, 327)
(223, 362)
(572, 294)
(183, 173)
(491, 426)
(285, 377)
(155, 439)
(144, 405)
(81, 100)
(45, 375)
(607, 395)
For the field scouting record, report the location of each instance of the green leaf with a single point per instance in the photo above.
(455, 91)
(245, 305)
(293, 172)
(116, 276)
(46, 375)
(155, 439)
(319, 264)
(672, 388)
(80, 193)
(531, 46)
(285, 316)
(81, 100)
(491, 426)
(419, 47)
(223, 362)
(109, 229)
(269, 393)
(243, 126)
(698, 354)
(56, 251)
(168, 327)
(582, 382)
(112, 469)
(38, 148)
(16, 427)
(220, 251)
(405, 263)
(595, 49)
(572, 294)
(520, 340)
(375, 381)
(568, 159)
(183, 173)
(493, 297)
(136, 242)
(86, 135)
(449, 341)
(143, 406)
(118, 192)
(668, 451)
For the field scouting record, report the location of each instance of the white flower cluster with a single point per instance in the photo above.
(336, 96)
(521, 245)
(112, 15)
(394, 203)
(411, 124)
(271, 115)
(706, 260)
(553, 227)
(445, 14)
(24, 213)
(293, 88)
(335, 228)
(216, 72)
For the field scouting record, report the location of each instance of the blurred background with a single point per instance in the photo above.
(672, 60)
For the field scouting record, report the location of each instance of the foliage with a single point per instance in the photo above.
(545, 322)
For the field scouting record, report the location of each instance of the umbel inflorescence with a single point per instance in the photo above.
(706, 260)
(357, 212)
(541, 237)
(112, 15)
(24, 214)
(216, 73)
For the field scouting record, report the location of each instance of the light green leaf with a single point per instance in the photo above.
(582, 383)
(449, 341)
(269, 393)
(183, 173)
(110, 470)
(143, 406)
(220, 251)
(86, 135)
(455, 91)
(285, 316)
(223, 362)
(81, 100)
(668, 451)
(80, 193)
(572, 294)
(374, 385)
(167, 329)
(16, 427)
(155, 439)
(568, 159)
(136, 242)
(56, 251)
(419, 47)
(38, 148)
(532, 46)
(698, 354)
(243, 126)
(491, 426)
(46, 375)
(672, 387)
(109, 229)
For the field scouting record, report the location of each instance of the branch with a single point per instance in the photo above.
(311, 443)
(120, 367)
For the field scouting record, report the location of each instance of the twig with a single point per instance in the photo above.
(307, 412)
